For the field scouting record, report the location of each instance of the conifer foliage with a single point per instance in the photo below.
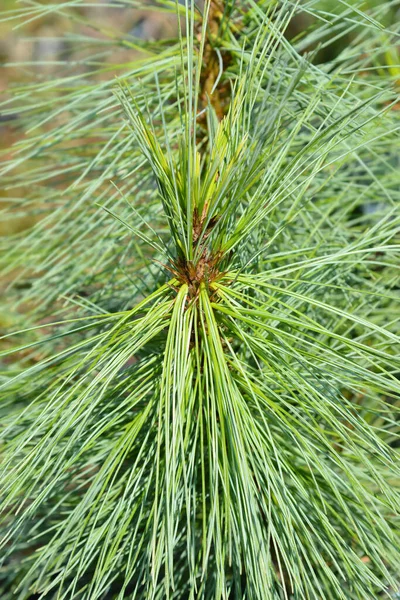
(200, 389)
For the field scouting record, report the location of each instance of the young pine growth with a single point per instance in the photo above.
(200, 392)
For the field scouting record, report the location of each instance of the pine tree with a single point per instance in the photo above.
(200, 387)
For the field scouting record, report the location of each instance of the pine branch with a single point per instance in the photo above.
(200, 396)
